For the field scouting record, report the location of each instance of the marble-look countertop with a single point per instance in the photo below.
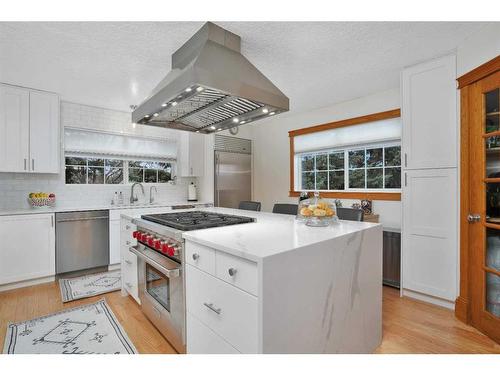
(49, 210)
(271, 234)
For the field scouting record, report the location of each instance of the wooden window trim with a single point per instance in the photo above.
(394, 113)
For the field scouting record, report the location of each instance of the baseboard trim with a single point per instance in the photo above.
(429, 299)
(23, 284)
(113, 267)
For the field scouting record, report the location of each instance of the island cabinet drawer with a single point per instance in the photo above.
(127, 226)
(202, 340)
(201, 257)
(228, 311)
(237, 271)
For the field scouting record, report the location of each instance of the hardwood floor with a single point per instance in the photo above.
(409, 326)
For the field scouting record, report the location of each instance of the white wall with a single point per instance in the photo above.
(15, 187)
(271, 149)
(479, 48)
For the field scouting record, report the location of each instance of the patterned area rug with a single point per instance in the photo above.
(89, 285)
(87, 329)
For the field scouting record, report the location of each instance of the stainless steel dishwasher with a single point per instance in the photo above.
(82, 240)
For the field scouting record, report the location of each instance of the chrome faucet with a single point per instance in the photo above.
(132, 197)
(151, 198)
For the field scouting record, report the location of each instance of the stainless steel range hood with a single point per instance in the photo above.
(211, 87)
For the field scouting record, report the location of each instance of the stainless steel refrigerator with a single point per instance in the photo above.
(233, 171)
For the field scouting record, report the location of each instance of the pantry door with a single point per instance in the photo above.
(484, 209)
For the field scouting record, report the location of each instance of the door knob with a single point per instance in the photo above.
(473, 218)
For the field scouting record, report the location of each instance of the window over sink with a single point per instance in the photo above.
(97, 170)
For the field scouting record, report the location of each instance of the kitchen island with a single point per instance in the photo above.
(279, 286)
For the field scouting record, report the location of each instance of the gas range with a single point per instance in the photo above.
(193, 220)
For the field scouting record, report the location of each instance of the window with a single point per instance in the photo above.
(94, 170)
(371, 168)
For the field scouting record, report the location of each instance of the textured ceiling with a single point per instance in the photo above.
(113, 64)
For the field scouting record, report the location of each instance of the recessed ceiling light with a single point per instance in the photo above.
(188, 89)
(242, 122)
(272, 113)
(174, 104)
(199, 89)
(236, 120)
(219, 129)
(197, 131)
(155, 114)
(164, 105)
(265, 110)
(147, 116)
(212, 127)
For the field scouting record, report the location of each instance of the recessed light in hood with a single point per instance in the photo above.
(211, 86)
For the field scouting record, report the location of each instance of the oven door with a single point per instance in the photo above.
(161, 293)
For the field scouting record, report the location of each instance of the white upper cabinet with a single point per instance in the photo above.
(191, 154)
(44, 132)
(29, 130)
(429, 113)
(14, 129)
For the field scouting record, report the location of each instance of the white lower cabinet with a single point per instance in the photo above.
(221, 316)
(28, 247)
(130, 282)
(429, 240)
(114, 242)
(202, 339)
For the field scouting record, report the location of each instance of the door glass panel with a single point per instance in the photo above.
(493, 203)
(158, 286)
(493, 294)
(493, 248)
(493, 157)
(492, 115)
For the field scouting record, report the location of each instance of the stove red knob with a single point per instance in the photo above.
(144, 237)
(150, 240)
(170, 251)
(164, 248)
(156, 244)
(135, 233)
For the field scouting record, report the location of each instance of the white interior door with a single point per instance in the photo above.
(14, 129)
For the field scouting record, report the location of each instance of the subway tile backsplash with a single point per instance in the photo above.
(15, 187)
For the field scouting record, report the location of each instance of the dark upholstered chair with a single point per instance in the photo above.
(249, 206)
(352, 214)
(285, 208)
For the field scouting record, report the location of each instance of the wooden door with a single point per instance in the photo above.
(484, 208)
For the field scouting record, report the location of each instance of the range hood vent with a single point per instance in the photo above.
(211, 87)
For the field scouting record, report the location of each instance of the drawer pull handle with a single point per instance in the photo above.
(232, 271)
(196, 256)
(129, 285)
(127, 226)
(128, 261)
(127, 242)
(211, 307)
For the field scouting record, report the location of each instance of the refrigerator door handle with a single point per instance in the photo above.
(217, 168)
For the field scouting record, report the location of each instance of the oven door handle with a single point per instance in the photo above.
(170, 273)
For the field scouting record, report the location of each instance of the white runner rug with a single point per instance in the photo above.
(89, 285)
(87, 329)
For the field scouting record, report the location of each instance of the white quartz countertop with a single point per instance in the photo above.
(48, 210)
(271, 234)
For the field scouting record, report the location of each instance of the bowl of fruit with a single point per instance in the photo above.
(42, 199)
(317, 212)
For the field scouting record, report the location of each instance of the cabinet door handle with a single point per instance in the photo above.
(25, 164)
(191, 171)
(32, 164)
(232, 271)
(406, 179)
(127, 242)
(211, 307)
(195, 256)
(406, 159)
(127, 227)
(52, 221)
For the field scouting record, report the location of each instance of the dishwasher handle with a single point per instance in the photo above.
(83, 219)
